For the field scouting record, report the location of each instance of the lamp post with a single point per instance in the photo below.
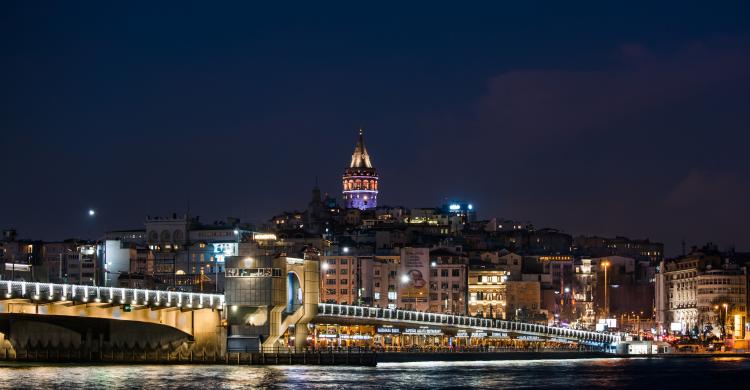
(726, 316)
(605, 264)
(405, 279)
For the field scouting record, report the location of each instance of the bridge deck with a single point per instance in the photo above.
(51, 292)
(378, 315)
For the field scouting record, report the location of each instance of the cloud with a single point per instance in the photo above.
(534, 105)
(710, 190)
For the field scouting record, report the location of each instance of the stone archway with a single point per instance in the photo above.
(294, 294)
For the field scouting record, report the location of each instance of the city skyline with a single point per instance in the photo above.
(374, 195)
(238, 118)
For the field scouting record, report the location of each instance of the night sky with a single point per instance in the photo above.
(609, 118)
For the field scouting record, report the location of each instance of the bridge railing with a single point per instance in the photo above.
(438, 319)
(52, 292)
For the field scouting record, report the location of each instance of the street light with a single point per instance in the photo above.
(92, 212)
(605, 264)
(408, 293)
(726, 317)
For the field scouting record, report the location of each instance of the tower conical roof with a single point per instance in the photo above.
(360, 158)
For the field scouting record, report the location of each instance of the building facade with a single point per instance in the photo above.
(701, 293)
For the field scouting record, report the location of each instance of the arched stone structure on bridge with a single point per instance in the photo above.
(29, 326)
(303, 284)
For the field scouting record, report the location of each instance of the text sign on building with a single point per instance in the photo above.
(423, 331)
(253, 272)
(355, 337)
(388, 330)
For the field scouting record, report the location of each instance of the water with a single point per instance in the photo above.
(530, 374)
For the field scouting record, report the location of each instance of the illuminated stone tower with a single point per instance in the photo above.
(360, 180)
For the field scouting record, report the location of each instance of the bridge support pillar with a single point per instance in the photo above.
(300, 337)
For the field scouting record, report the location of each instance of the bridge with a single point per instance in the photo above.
(73, 319)
(360, 314)
(44, 316)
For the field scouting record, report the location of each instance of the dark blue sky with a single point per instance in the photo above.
(604, 118)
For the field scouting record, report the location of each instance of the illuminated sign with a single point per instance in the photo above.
(415, 276)
(355, 337)
(454, 207)
(555, 258)
(499, 335)
(389, 330)
(423, 331)
(608, 322)
(253, 272)
(17, 267)
(225, 248)
(264, 236)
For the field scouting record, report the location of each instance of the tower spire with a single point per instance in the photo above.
(360, 157)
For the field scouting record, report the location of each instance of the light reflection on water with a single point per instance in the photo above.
(519, 374)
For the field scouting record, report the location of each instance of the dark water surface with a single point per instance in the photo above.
(704, 373)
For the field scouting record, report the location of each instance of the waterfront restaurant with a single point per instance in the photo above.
(397, 338)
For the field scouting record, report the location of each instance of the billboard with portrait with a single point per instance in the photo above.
(414, 278)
